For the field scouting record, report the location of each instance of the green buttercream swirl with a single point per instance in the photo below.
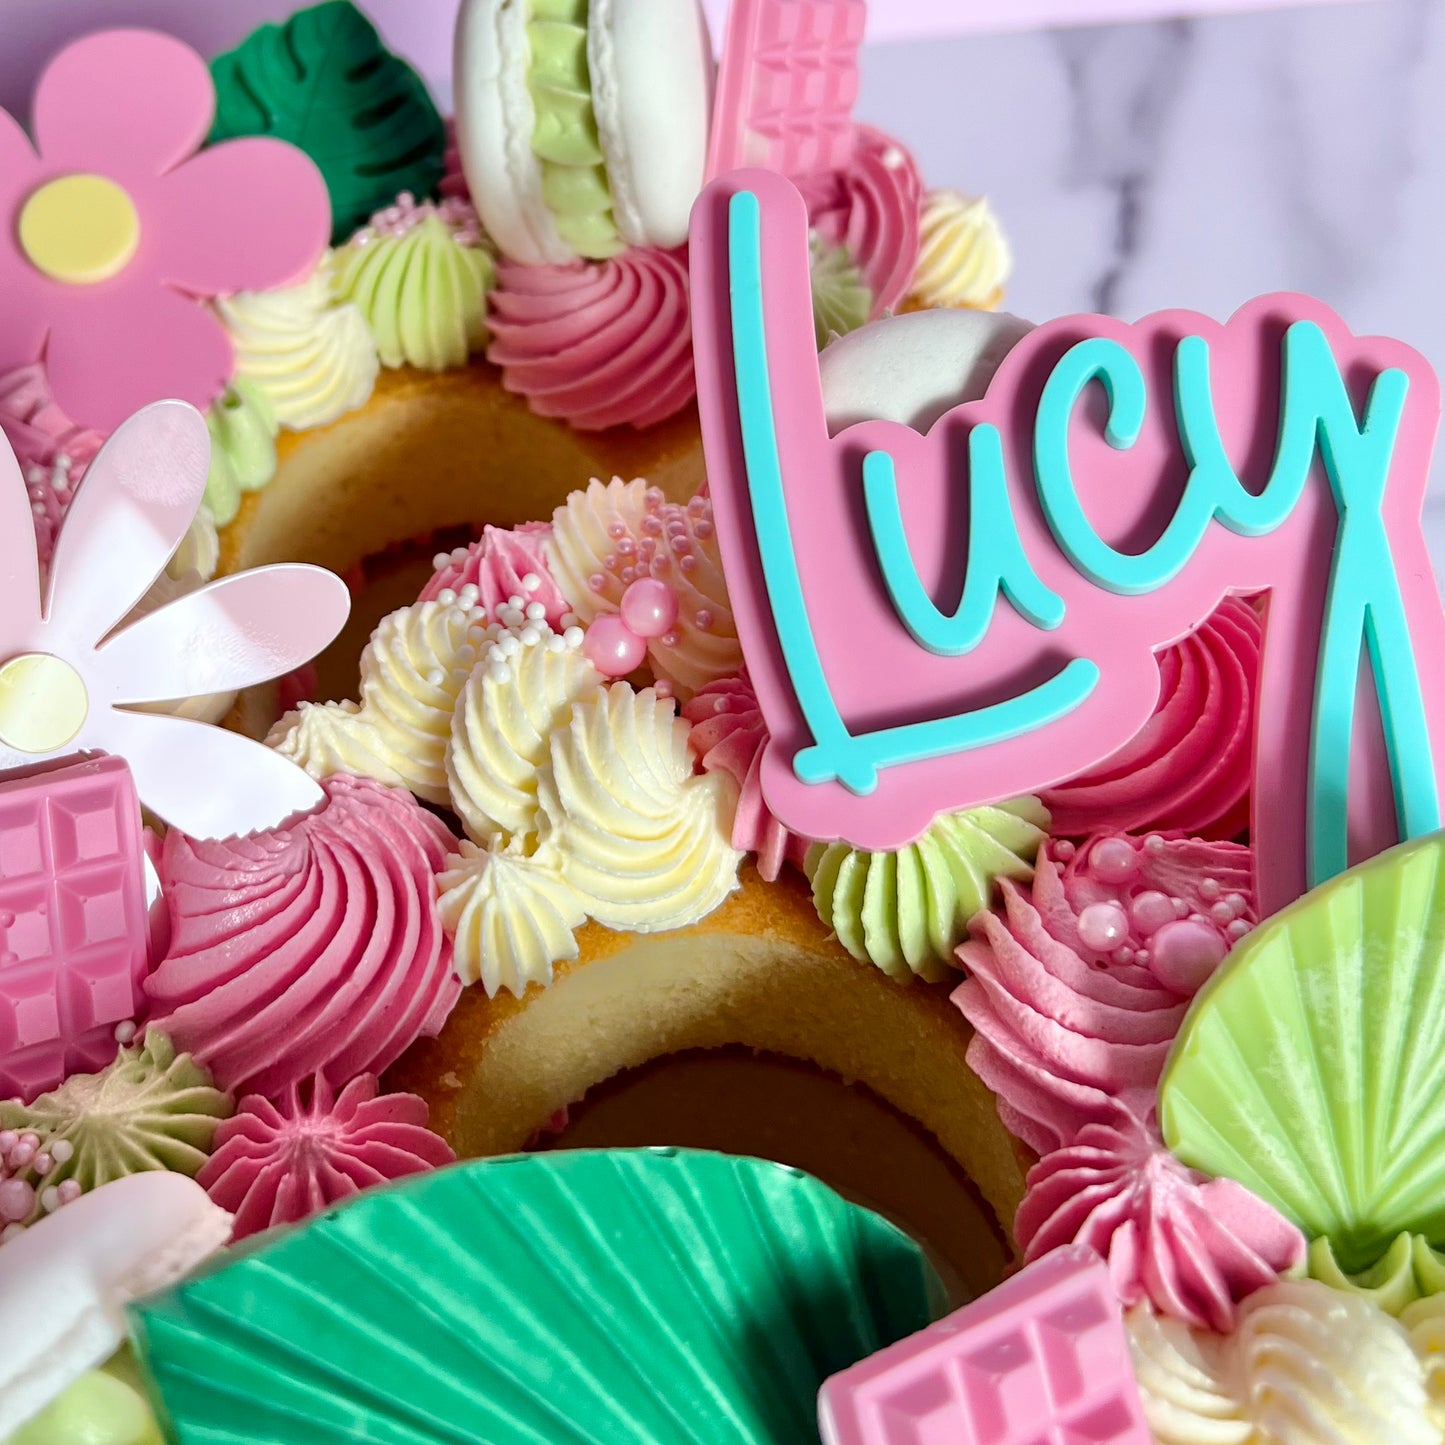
(423, 294)
(151, 1109)
(243, 447)
(107, 1406)
(565, 138)
(842, 301)
(1408, 1271)
(907, 911)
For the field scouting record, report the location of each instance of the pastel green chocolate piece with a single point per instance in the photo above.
(907, 911)
(842, 300)
(1408, 1271)
(243, 447)
(589, 1298)
(151, 1109)
(565, 138)
(324, 81)
(423, 295)
(107, 1406)
(1310, 1067)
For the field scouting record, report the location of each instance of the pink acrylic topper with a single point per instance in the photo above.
(73, 927)
(1041, 1360)
(70, 675)
(115, 226)
(786, 84)
(935, 622)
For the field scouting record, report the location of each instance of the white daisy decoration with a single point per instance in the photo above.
(71, 677)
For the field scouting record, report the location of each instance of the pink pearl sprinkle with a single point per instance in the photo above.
(616, 530)
(17, 1200)
(1064, 850)
(1185, 953)
(649, 607)
(612, 647)
(1113, 860)
(8, 1140)
(597, 582)
(662, 687)
(21, 1155)
(1209, 889)
(1151, 911)
(702, 619)
(1102, 926)
(69, 1190)
(688, 563)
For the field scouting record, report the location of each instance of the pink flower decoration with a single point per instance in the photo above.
(1193, 1247)
(276, 1163)
(133, 107)
(71, 678)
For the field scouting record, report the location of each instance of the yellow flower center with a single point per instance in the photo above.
(43, 702)
(79, 229)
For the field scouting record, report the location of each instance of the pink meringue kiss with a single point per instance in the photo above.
(277, 1163)
(874, 207)
(313, 949)
(728, 735)
(1077, 990)
(1193, 1247)
(596, 343)
(502, 564)
(1188, 771)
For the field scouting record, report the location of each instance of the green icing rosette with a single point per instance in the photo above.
(908, 910)
(842, 301)
(421, 287)
(1408, 1271)
(151, 1109)
(243, 448)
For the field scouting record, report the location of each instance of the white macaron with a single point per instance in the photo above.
(648, 94)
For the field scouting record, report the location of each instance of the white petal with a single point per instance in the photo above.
(204, 780)
(131, 510)
(224, 636)
(19, 567)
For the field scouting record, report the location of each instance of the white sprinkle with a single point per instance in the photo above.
(468, 595)
(446, 596)
(499, 672)
(508, 645)
(440, 560)
(11, 1231)
(531, 582)
(124, 1032)
(556, 644)
(515, 601)
(573, 637)
(459, 554)
(62, 1151)
(535, 611)
(530, 636)
(436, 676)
(50, 1199)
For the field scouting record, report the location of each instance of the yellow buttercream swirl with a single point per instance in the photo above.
(200, 551)
(1180, 1374)
(501, 731)
(1408, 1271)
(510, 915)
(314, 360)
(907, 911)
(643, 839)
(1305, 1365)
(580, 541)
(423, 294)
(964, 259)
(1424, 1322)
(412, 670)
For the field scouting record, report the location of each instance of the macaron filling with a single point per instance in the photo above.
(565, 137)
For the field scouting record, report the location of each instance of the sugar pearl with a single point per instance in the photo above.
(1185, 953)
(1151, 910)
(612, 647)
(1102, 926)
(649, 607)
(17, 1200)
(1113, 860)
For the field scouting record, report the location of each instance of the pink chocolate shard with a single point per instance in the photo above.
(1042, 1360)
(786, 86)
(73, 922)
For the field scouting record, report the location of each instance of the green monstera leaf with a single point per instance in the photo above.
(639, 1296)
(326, 83)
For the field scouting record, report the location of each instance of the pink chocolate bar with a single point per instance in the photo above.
(1042, 1360)
(73, 927)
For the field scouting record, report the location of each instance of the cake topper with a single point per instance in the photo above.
(72, 678)
(935, 622)
(113, 228)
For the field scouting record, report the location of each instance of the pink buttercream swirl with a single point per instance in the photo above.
(315, 948)
(874, 207)
(277, 1163)
(1077, 989)
(52, 451)
(1193, 1247)
(1189, 769)
(599, 344)
(499, 565)
(728, 735)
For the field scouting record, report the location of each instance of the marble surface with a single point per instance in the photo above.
(1200, 162)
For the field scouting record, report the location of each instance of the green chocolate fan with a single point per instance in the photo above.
(590, 1298)
(1312, 1066)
